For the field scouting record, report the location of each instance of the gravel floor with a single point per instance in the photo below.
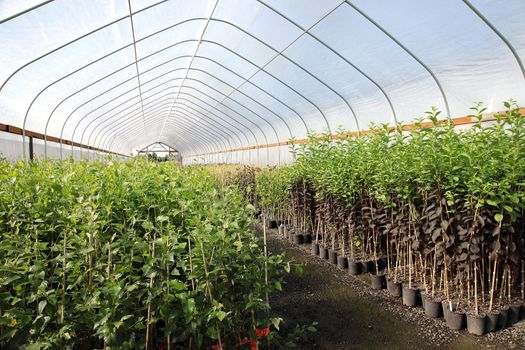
(353, 316)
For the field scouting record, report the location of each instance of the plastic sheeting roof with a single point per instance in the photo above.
(211, 75)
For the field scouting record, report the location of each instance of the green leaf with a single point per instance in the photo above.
(220, 315)
(498, 217)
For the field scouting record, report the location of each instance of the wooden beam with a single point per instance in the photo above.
(457, 121)
(36, 135)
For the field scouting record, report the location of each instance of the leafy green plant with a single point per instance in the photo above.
(444, 206)
(127, 255)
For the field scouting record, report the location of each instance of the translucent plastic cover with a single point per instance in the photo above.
(209, 76)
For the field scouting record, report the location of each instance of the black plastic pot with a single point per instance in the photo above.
(367, 266)
(342, 262)
(382, 263)
(410, 296)
(514, 313)
(323, 253)
(456, 320)
(298, 238)
(307, 238)
(476, 323)
(354, 267)
(522, 312)
(377, 281)
(445, 308)
(315, 249)
(332, 256)
(433, 307)
(395, 289)
(503, 317)
(491, 321)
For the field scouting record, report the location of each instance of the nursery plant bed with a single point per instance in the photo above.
(378, 321)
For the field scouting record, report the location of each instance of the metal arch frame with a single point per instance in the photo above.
(113, 108)
(192, 59)
(205, 120)
(25, 11)
(163, 105)
(277, 79)
(298, 93)
(418, 60)
(153, 96)
(197, 90)
(166, 62)
(307, 31)
(249, 34)
(128, 107)
(200, 141)
(259, 88)
(165, 90)
(150, 35)
(281, 54)
(214, 136)
(184, 113)
(161, 64)
(499, 34)
(203, 142)
(136, 59)
(97, 95)
(107, 25)
(127, 66)
(158, 98)
(162, 143)
(159, 109)
(384, 31)
(131, 131)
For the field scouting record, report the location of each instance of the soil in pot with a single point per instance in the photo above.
(332, 256)
(323, 253)
(342, 262)
(456, 320)
(377, 282)
(298, 238)
(476, 323)
(503, 317)
(433, 307)
(410, 296)
(514, 313)
(308, 238)
(394, 289)
(354, 268)
(491, 321)
(315, 248)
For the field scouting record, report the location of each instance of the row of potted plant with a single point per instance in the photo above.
(436, 209)
(128, 255)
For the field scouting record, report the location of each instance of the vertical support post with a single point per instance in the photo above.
(31, 152)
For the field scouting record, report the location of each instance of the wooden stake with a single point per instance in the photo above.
(476, 287)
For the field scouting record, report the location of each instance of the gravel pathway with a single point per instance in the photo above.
(353, 316)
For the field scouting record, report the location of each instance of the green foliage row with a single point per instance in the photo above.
(436, 199)
(126, 255)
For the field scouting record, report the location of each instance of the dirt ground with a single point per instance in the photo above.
(351, 315)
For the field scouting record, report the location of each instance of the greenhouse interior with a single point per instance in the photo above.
(262, 174)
